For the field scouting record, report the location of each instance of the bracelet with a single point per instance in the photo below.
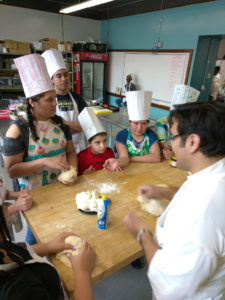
(139, 234)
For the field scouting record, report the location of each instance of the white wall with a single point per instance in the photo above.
(27, 25)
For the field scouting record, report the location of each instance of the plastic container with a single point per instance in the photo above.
(173, 161)
(102, 212)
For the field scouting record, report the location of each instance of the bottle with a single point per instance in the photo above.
(102, 212)
(173, 161)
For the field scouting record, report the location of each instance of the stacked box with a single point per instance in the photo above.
(48, 43)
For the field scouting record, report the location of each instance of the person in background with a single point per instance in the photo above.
(182, 94)
(138, 143)
(37, 148)
(129, 87)
(69, 104)
(187, 259)
(94, 157)
(26, 274)
(216, 82)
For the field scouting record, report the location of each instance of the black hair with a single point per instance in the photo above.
(30, 118)
(217, 68)
(94, 136)
(6, 241)
(204, 118)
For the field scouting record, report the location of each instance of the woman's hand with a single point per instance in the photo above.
(84, 261)
(56, 163)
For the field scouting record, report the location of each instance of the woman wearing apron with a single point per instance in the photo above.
(38, 147)
(26, 274)
(69, 104)
(137, 143)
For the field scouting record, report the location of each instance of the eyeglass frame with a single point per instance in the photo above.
(171, 138)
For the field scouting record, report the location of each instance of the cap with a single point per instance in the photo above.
(184, 94)
(90, 123)
(54, 61)
(138, 105)
(33, 74)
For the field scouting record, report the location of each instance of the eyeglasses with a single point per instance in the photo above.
(170, 139)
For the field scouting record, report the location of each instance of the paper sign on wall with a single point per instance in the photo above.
(184, 94)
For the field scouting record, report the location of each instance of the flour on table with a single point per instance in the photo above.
(87, 201)
(153, 206)
(77, 243)
(67, 176)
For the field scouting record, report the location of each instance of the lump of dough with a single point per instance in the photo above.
(153, 206)
(67, 176)
(87, 200)
(77, 243)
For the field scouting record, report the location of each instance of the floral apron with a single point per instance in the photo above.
(137, 149)
(51, 143)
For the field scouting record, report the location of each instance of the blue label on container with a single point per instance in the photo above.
(102, 214)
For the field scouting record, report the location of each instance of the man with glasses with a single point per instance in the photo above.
(187, 259)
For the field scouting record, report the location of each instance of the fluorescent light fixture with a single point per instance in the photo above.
(83, 5)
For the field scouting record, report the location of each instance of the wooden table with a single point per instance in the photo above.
(54, 210)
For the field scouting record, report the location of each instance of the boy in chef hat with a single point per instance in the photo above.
(137, 143)
(94, 157)
(69, 104)
(182, 94)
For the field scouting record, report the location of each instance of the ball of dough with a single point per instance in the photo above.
(153, 206)
(77, 243)
(87, 201)
(67, 176)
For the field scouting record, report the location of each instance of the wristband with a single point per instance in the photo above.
(139, 234)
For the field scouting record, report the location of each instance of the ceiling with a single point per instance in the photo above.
(117, 8)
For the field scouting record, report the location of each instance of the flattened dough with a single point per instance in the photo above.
(77, 243)
(153, 206)
(67, 176)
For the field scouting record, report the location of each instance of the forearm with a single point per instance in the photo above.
(123, 161)
(71, 157)
(12, 195)
(74, 126)
(82, 286)
(149, 158)
(12, 209)
(149, 245)
(21, 169)
(42, 249)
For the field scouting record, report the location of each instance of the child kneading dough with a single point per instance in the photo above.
(76, 242)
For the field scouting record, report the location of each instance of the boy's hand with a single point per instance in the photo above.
(91, 169)
(112, 165)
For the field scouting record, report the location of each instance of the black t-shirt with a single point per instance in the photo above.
(65, 103)
(36, 281)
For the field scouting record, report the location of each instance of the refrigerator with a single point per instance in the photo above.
(89, 75)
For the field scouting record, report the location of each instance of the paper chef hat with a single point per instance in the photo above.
(33, 74)
(138, 104)
(54, 61)
(90, 123)
(184, 94)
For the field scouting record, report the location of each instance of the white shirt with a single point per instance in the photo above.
(216, 81)
(191, 234)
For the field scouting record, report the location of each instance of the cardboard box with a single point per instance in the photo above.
(68, 46)
(19, 51)
(23, 45)
(11, 44)
(48, 43)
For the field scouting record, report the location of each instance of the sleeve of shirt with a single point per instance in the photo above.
(152, 136)
(13, 146)
(80, 102)
(122, 137)
(160, 131)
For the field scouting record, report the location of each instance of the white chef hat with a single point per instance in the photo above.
(90, 123)
(138, 105)
(33, 74)
(54, 61)
(184, 94)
